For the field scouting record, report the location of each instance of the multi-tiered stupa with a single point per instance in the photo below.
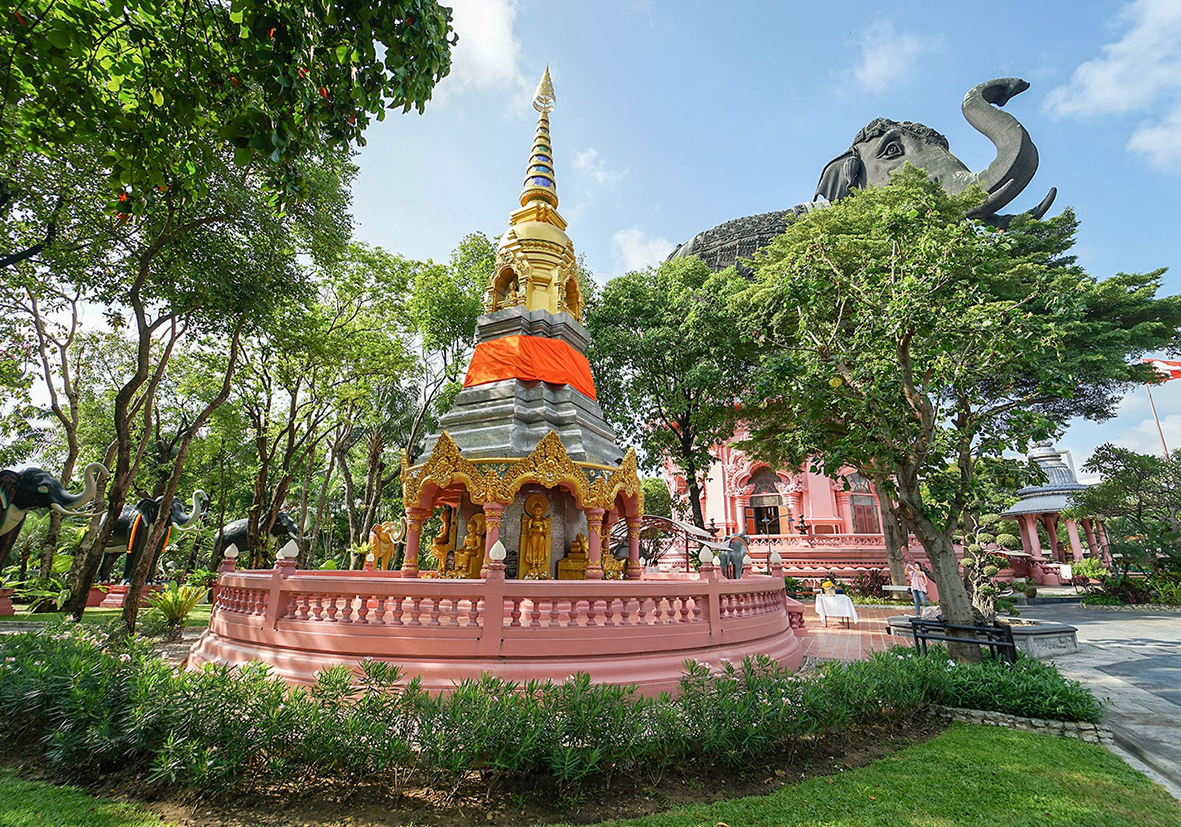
(525, 434)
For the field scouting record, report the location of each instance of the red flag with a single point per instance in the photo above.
(1165, 369)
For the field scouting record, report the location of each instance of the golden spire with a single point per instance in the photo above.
(539, 177)
(535, 263)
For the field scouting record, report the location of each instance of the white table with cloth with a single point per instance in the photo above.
(835, 605)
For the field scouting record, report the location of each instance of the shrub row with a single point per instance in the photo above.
(97, 704)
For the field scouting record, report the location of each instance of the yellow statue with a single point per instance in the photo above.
(469, 558)
(441, 544)
(573, 565)
(535, 537)
(383, 537)
(612, 569)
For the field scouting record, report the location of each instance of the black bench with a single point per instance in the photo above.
(998, 637)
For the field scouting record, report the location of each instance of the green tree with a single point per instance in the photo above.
(165, 89)
(1139, 501)
(657, 500)
(669, 363)
(905, 341)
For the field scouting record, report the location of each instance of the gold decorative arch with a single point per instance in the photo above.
(548, 465)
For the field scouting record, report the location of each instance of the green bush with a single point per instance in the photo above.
(1101, 600)
(96, 704)
(1008, 541)
(1089, 567)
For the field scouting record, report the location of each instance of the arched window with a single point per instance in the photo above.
(766, 513)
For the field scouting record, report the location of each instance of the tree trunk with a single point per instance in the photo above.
(945, 569)
(894, 534)
(350, 504)
(322, 502)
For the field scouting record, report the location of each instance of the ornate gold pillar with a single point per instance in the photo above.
(493, 513)
(415, 517)
(594, 531)
(634, 572)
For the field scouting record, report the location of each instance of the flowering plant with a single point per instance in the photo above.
(537, 574)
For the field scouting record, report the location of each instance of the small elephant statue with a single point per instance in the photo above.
(237, 534)
(733, 555)
(33, 489)
(134, 526)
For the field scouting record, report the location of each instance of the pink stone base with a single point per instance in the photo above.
(95, 597)
(446, 631)
(6, 607)
(652, 673)
(117, 595)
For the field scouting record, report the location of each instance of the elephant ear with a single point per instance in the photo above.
(9, 480)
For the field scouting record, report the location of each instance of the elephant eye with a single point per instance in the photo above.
(892, 149)
(44, 489)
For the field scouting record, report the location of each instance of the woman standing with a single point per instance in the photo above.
(918, 586)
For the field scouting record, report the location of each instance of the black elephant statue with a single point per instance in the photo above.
(237, 534)
(134, 527)
(33, 489)
(878, 151)
(732, 556)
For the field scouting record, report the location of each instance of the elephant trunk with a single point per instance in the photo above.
(1016, 156)
(190, 519)
(93, 471)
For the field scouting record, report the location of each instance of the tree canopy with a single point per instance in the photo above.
(669, 363)
(900, 339)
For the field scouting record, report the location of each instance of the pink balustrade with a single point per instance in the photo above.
(629, 631)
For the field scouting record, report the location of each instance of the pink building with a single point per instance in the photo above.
(751, 496)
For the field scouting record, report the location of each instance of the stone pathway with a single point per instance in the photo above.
(1134, 660)
(852, 642)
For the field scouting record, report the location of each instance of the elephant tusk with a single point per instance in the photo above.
(1044, 207)
(66, 512)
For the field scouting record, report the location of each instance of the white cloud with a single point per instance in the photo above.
(1139, 73)
(589, 162)
(487, 52)
(887, 56)
(634, 249)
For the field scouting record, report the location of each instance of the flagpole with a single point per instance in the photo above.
(1156, 418)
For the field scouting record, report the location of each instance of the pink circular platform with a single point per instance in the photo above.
(619, 631)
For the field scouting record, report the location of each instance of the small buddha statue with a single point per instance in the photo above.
(441, 544)
(469, 557)
(573, 565)
(513, 297)
(535, 536)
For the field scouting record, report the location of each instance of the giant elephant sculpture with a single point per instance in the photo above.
(881, 149)
(34, 489)
(134, 526)
(237, 534)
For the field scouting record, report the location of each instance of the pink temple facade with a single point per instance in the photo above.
(745, 495)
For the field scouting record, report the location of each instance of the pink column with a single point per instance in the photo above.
(634, 572)
(1101, 531)
(1076, 547)
(845, 512)
(741, 503)
(1032, 542)
(594, 529)
(1050, 521)
(415, 517)
(796, 507)
(1092, 543)
(493, 514)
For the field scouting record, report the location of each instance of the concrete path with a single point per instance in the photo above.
(1134, 660)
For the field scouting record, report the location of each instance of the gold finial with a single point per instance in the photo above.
(543, 98)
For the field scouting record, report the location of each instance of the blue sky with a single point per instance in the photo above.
(675, 116)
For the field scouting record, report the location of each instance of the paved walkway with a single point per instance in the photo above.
(852, 642)
(1134, 660)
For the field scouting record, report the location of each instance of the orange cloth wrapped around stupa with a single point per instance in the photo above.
(532, 359)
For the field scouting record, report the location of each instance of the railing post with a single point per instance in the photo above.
(492, 629)
(713, 612)
(284, 568)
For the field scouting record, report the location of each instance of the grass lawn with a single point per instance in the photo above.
(969, 775)
(198, 617)
(34, 804)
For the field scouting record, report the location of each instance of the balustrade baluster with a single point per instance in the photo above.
(397, 608)
(625, 612)
(435, 609)
(516, 611)
(535, 613)
(362, 609)
(331, 598)
(697, 602)
(552, 620)
(415, 607)
(642, 611)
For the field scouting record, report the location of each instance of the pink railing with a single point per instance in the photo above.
(359, 614)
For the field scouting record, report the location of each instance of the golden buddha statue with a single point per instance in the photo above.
(535, 537)
(441, 544)
(573, 565)
(469, 558)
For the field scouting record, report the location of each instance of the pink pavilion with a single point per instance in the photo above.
(528, 481)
